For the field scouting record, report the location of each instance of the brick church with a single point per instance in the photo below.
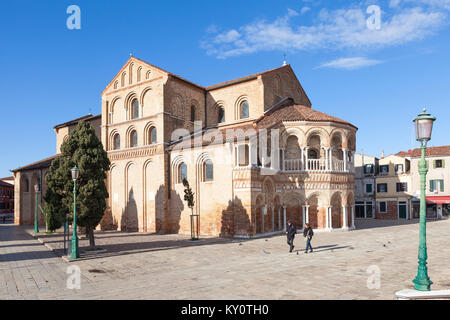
(253, 150)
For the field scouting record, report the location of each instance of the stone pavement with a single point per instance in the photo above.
(146, 266)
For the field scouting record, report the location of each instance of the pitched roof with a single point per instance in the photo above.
(75, 121)
(6, 184)
(243, 79)
(289, 111)
(42, 164)
(7, 178)
(430, 152)
(209, 88)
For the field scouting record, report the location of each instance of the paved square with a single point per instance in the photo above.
(145, 266)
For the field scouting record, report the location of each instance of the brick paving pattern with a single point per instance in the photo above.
(146, 266)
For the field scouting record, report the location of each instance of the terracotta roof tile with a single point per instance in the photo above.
(431, 151)
(45, 163)
(289, 111)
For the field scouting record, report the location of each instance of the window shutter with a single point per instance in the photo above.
(428, 164)
(432, 184)
(443, 163)
(442, 185)
(434, 164)
(378, 188)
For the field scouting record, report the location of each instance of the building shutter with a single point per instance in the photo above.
(442, 185)
(432, 185)
(443, 163)
(434, 164)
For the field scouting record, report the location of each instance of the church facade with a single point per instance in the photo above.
(253, 150)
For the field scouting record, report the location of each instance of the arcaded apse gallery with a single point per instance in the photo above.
(253, 150)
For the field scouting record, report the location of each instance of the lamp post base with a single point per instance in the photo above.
(422, 284)
(75, 254)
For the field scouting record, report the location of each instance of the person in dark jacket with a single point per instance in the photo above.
(290, 232)
(308, 233)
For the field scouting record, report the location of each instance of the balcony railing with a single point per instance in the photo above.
(317, 165)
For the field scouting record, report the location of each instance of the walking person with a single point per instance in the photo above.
(308, 233)
(290, 232)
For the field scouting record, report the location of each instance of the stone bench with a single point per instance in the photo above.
(408, 294)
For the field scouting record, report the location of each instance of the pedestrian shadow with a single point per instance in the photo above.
(326, 248)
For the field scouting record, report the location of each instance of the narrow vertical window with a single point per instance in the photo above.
(117, 142)
(192, 113)
(244, 110)
(208, 171)
(153, 135)
(135, 109)
(221, 115)
(133, 139)
(182, 172)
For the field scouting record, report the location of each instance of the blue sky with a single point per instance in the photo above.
(377, 79)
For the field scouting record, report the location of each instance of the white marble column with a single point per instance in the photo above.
(253, 149)
(330, 159)
(306, 159)
(283, 154)
(303, 217)
(353, 217)
(263, 213)
(344, 150)
(302, 158)
(284, 218)
(327, 151)
(272, 211)
(345, 217)
(329, 219)
(279, 218)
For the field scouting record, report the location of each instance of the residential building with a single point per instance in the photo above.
(366, 169)
(6, 198)
(437, 181)
(393, 188)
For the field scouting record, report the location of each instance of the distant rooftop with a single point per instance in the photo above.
(75, 121)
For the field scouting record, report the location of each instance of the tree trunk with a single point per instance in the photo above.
(90, 232)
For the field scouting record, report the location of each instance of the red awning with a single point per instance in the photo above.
(439, 200)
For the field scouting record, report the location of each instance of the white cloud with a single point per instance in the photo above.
(335, 30)
(350, 63)
(305, 9)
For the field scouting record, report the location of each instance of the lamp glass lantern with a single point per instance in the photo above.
(36, 188)
(75, 173)
(424, 125)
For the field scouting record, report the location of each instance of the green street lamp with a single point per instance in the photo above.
(36, 191)
(424, 126)
(75, 251)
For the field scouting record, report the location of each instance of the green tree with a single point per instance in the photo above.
(57, 179)
(86, 151)
(189, 198)
(53, 210)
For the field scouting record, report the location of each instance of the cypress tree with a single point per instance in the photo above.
(86, 151)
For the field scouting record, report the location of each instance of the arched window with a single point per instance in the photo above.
(312, 154)
(192, 113)
(244, 110)
(139, 71)
(116, 143)
(153, 135)
(133, 139)
(208, 171)
(135, 109)
(27, 185)
(182, 172)
(221, 115)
